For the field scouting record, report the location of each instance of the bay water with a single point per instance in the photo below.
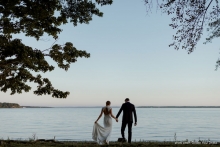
(76, 124)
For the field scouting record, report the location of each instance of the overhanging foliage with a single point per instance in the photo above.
(35, 18)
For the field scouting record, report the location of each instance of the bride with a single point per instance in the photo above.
(102, 134)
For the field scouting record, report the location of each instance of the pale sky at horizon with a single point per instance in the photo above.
(130, 57)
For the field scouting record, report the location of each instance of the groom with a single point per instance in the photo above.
(127, 118)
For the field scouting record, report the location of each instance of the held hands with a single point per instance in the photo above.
(116, 119)
(96, 121)
(135, 124)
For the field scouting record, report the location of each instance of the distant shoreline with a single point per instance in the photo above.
(136, 107)
(178, 106)
(36, 107)
(15, 105)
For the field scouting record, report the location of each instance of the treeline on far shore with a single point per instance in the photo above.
(9, 105)
(15, 105)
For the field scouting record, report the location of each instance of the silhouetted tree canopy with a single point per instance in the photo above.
(190, 18)
(35, 18)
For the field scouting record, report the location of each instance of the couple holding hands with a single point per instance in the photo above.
(102, 134)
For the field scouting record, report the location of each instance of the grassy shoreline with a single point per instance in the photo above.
(53, 143)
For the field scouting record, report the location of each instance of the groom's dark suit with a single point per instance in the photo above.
(127, 118)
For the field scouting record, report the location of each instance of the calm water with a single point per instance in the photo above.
(77, 123)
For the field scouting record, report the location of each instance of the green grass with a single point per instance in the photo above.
(19, 143)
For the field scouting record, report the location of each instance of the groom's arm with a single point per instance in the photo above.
(135, 116)
(119, 112)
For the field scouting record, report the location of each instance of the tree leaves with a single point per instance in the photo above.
(18, 62)
(66, 55)
(189, 19)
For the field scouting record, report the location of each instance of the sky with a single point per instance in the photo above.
(130, 57)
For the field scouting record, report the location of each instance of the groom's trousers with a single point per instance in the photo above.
(123, 126)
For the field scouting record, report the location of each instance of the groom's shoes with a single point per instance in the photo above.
(122, 140)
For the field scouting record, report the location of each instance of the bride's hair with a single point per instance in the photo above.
(106, 112)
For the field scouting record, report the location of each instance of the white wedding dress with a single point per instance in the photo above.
(102, 134)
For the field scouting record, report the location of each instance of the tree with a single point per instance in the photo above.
(35, 18)
(190, 18)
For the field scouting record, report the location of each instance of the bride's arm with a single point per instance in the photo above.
(99, 116)
(112, 114)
